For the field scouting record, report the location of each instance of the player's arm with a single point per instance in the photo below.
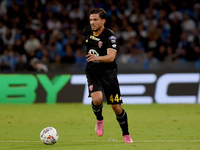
(111, 54)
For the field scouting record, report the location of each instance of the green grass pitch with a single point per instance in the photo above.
(152, 127)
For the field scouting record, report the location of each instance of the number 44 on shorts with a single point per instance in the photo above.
(116, 98)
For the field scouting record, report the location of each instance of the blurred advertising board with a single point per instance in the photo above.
(136, 88)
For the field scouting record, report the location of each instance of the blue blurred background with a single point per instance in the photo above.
(46, 35)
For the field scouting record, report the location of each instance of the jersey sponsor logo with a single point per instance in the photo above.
(100, 43)
(93, 51)
(112, 38)
(94, 38)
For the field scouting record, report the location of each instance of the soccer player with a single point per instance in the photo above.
(101, 71)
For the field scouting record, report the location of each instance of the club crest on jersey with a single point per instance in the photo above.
(94, 38)
(100, 43)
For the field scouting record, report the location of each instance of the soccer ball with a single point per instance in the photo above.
(49, 135)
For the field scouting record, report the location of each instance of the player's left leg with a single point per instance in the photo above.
(122, 119)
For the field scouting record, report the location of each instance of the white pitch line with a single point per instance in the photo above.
(19, 141)
(112, 140)
(167, 141)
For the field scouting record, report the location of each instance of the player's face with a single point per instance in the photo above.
(96, 22)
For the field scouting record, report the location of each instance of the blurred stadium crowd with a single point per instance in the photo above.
(36, 33)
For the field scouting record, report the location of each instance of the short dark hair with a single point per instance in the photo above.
(102, 13)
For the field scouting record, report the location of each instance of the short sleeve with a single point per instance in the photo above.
(112, 42)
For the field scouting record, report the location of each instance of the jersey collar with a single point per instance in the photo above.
(99, 33)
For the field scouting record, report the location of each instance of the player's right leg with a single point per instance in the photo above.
(95, 91)
(97, 106)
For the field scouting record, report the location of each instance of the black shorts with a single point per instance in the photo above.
(107, 83)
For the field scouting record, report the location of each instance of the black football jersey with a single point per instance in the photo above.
(98, 45)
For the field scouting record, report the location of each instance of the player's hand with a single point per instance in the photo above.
(91, 57)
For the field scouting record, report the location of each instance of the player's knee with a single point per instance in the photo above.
(97, 98)
(97, 101)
